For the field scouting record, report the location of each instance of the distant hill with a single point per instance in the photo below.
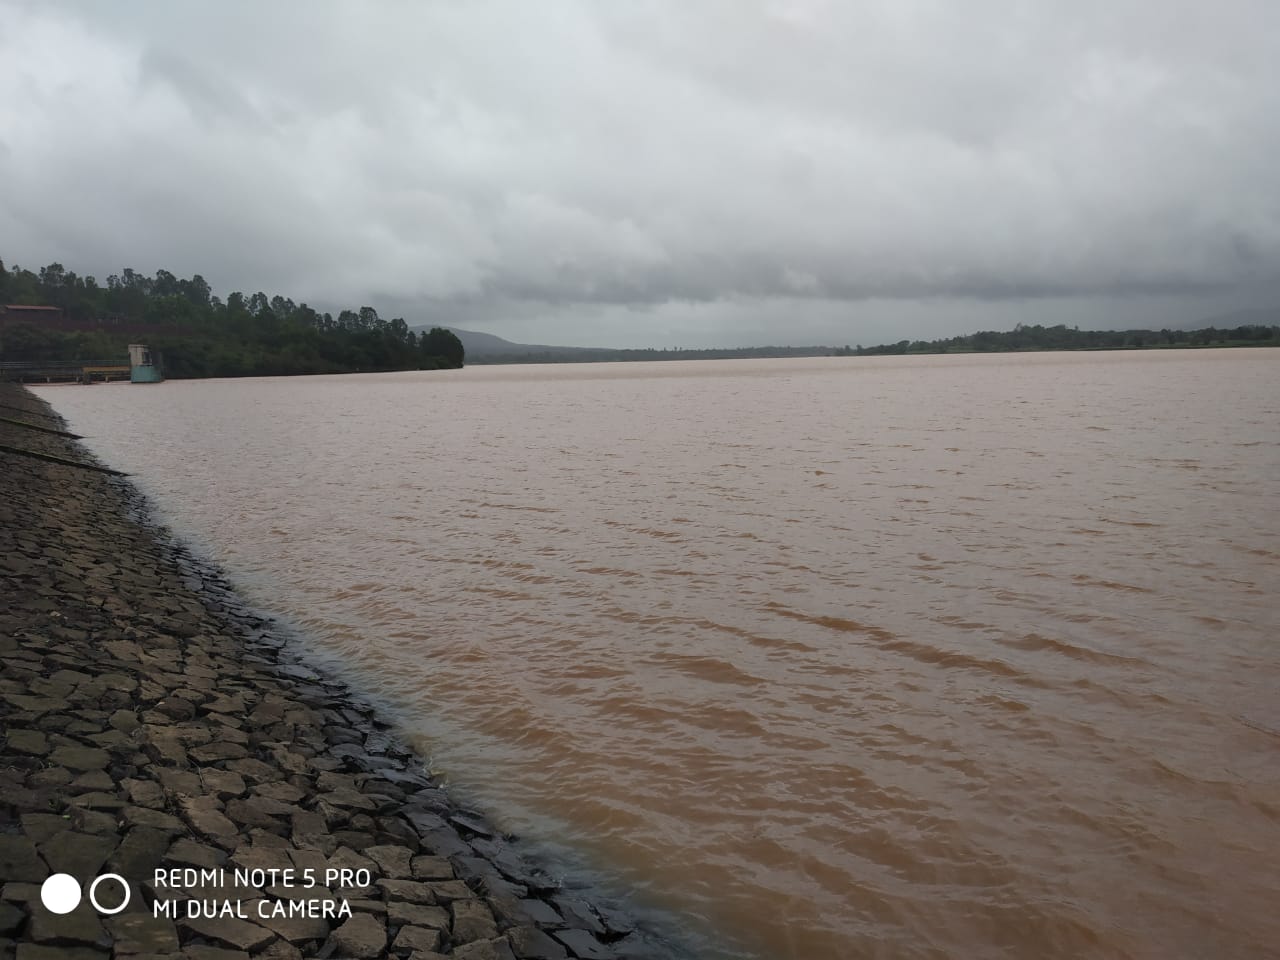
(487, 348)
(1225, 330)
(480, 345)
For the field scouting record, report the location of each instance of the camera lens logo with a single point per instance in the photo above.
(61, 893)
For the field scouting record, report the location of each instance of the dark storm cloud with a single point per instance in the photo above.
(605, 168)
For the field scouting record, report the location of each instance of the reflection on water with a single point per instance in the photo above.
(900, 657)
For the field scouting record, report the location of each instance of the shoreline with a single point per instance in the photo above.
(153, 721)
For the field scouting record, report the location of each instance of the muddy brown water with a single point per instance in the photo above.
(887, 657)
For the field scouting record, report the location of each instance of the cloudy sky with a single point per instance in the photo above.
(691, 172)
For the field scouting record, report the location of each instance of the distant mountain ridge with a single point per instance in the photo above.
(488, 348)
(479, 344)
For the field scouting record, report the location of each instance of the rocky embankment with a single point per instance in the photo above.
(247, 806)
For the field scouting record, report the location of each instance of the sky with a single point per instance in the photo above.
(668, 173)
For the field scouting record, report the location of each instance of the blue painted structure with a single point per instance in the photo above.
(144, 366)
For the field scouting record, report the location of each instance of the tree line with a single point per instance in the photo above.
(199, 334)
(1062, 337)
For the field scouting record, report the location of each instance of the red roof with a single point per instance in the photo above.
(23, 306)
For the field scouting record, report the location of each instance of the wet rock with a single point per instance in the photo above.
(584, 945)
(472, 823)
(530, 943)
(578, 913)
(512, 912)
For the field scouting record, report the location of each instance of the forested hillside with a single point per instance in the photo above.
(202, 335)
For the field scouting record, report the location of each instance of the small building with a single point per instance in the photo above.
(144, 364)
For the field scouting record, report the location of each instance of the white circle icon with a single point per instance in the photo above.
(93, 889)
(60, 893)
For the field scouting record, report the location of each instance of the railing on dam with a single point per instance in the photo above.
(62, 371)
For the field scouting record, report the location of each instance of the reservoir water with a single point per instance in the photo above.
(910, 657)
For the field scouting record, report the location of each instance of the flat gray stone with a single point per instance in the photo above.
(208, 821)
(142, 933)
(392, 861)
(530, 943)
(585, 945)
(145, 817)
(226, 784)
(362, 936)
(11, 918)
(126, 721)
(80, 758)
(231, 931)
(296, 929)
(41, 826)
(578, 913)
(187, 852)
(28, 741)
(431, 868)
(498, 949)
(19, 861)
(417, 914)
(415, 891)
(93, 780)
(220, 750)
(79, 854)
(141, 851)
(80, 926)
(417, 938)
(472, 920)
(39, 951)
(206, 952)
(178, 781)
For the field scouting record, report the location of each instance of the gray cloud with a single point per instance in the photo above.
(724, 171)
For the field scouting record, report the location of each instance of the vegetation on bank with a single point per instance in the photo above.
(1063, 337)
(202, 335)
